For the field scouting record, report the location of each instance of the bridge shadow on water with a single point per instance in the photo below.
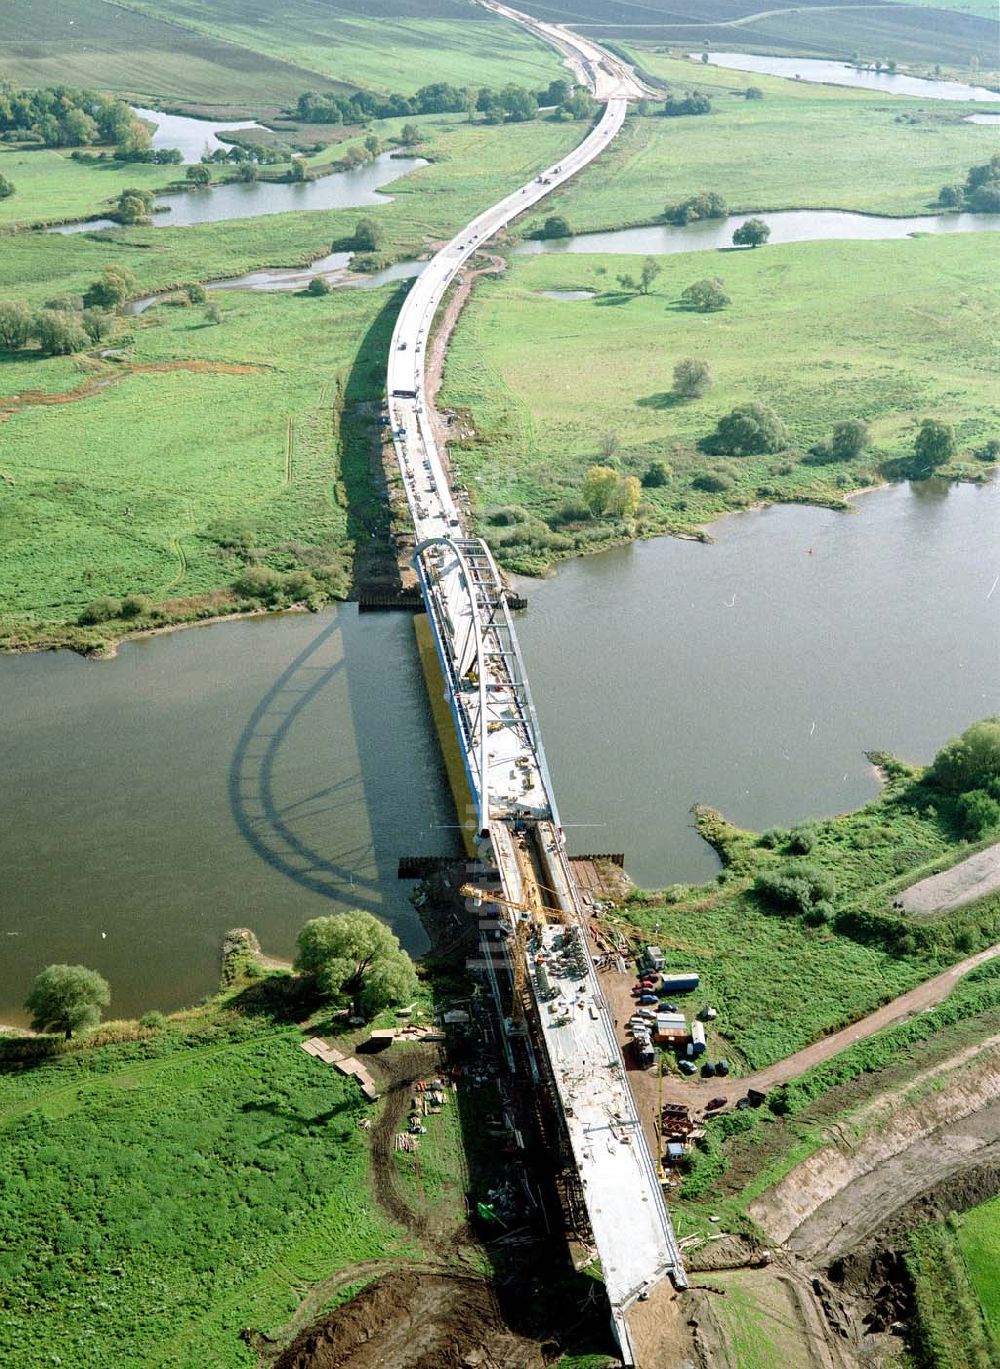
(275, 831)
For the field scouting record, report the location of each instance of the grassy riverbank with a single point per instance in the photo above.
(802, 146)
(886, 331)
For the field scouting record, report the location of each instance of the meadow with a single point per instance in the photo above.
(230, 53)
(886, 331)
(197, 435)
(979, 1242)
(163, 1193)
(801, 146)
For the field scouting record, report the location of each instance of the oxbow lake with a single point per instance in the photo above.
(841, 74)
(259, 773)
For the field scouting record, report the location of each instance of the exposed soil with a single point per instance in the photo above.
(968, 880)
(946, 1125)
(409, 1320)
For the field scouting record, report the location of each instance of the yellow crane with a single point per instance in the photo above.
(522, 930)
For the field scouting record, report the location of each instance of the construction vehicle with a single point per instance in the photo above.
(528, 915)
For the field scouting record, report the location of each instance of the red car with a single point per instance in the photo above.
(714, 1103)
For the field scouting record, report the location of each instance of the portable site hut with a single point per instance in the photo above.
(697, 1039)
(671, 1028)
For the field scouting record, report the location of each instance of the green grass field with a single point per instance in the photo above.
(979, 1242)
(160, 1196)
(193, 453)
(800, 147)
(228, 52)
(949, 1330)
(887, 331)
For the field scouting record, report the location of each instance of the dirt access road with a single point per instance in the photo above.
(695, 1092)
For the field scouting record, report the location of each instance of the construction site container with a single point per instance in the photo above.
(722, 1067)
(679, 983)
(652, 959)
(671, 1027)
(697, 1039)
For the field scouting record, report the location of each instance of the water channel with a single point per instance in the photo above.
(262, 772)
(841, 74)
(239, 200)
(789, 225)
(192, 136)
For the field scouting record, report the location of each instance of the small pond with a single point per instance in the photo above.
(192, 136)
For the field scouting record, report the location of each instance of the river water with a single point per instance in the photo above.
(239, 200)
(840, 74)
(789, 225)
(752, 674)
(252, 773)
(263, 772)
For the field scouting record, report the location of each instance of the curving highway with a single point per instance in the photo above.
(574, 1045)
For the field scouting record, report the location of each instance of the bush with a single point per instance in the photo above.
(774, 839)
(6, 188)
(260, 582)
(989, 451)
(707, 204)
(748, 430)
(135, 606)
(153, 1019)
(802, 839)
(319, 285)
(101, 610)
(556, 226)
(60, 333)
(656, 475)
(796, 887)
(195, 292)
(713, 482)
(691, 378)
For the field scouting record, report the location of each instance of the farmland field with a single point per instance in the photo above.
(800, 335)
(800, 147)
(905, 32)
(230, 53)
(162, 1195)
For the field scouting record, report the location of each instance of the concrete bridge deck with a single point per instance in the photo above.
(508, 778)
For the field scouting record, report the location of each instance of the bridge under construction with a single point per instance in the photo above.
(539, 932)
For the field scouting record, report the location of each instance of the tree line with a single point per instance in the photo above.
(979, 193)
(62, 116)
(514, 104)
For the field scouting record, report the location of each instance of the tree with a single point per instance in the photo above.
(195, 292)
(748, 430)
(117, 283)
(609, 445)
(751, 233)
(356, 958)
(298, 170)
(707, 204)
(692, 103)
(627, 496)
(933, 445)
(410, 134)
(213, 312)
(6, 187)
(951, 197)
(657, 475)
(199, 175)
(98, 325)
(753, 93)
(67, 998)
(136, 206)
(651, 268)
(372, 145)
(599, 487)
(319, 285)
(970, 761)
(60, 333)
(705, 296)
(247, 172)
(850, 438)
(16, 325)
(519, 104)
(691, 378)
(556, 226)
(369, 235)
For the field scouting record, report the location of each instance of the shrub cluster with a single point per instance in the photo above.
(980, 193)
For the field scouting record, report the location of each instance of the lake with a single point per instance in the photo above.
(192, 136)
